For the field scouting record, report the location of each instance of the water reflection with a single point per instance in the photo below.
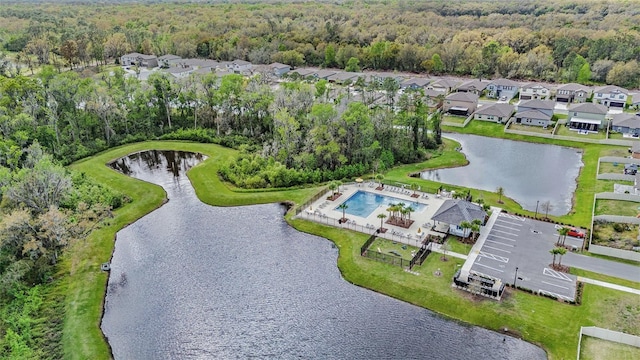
(529, 173)
(195, 281)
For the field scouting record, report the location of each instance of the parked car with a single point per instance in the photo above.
(576, 233)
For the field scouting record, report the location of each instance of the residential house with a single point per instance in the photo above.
(475, 86)
(279, 69)
(443, 85)
(198, 63)
(635, 153)
(132, 59)
(572, 93)
(587, 117)
(179, 72)
(610, 96)
(168, 60)
(456, 211)
(460, 103)
(433, 97)
(323, 74)
(344, 77)
(626, 123)
(535, 112)
(303, 73)
(415, 83)
(379, 78)
(635, 101)
(502, 89)
(535, 91)
(240, 66)
(499, 112)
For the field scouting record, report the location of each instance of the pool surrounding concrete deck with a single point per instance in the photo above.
(326, 211)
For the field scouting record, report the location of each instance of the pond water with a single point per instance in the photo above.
(529, 173)
(192, 281)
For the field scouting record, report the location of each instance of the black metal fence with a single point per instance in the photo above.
(417, 259)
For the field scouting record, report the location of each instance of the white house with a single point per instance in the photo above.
(500, 88)
(610, 96)
(143, 60)
(535, 91)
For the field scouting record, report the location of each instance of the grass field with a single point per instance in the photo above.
(387, 247)
(607, 185)
(533, 129)
(457, 246)
(597, 349)
(454, 119)
(564, 131)
(625, 238)
(617, 207)
(607, 167)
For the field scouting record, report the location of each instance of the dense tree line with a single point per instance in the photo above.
(585, 41)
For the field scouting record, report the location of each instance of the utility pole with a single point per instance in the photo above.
(515, 278)
(537, 202)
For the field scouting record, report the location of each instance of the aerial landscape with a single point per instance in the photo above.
(331, 179)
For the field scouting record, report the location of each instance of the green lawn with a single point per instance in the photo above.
(617, 207)
(613, 168)
(387, 247)
(533, 129)
(457, 246)
(597, 349)
(454, 119)
(607, 185)
(564, 131)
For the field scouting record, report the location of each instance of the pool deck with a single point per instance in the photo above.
(325, 211)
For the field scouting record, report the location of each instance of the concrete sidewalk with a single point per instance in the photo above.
(609, 285)
(438, 248)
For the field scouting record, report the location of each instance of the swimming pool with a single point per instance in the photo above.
(363, 203)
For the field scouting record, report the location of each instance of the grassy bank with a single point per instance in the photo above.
(539, 320)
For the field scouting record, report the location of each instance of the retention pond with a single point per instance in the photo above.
(529, 173)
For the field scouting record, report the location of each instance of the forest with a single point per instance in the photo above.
(63, 97)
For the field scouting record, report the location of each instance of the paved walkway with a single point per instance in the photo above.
(609, 285)
(438, 248)
(602, 266)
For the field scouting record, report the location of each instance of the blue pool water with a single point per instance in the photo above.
(363, 203)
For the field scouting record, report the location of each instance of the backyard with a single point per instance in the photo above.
(611, 168)
(533, 129)
(453, 119)
(615, 235)
(565, 131)
(617, 207)
(598, 349)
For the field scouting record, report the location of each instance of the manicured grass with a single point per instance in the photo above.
(457, 246)
(533, 129)
(607, 185)
(564, 131)
(605, 278)
(597, 349)
(617, 207)
(613, 168)
(454, 119)
(386, 247)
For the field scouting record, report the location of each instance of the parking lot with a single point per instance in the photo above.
(516, 250)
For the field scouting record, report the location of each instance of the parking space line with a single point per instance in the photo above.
(494, 256)
(495, 248)
(496, 230)
(501, 237)
(512, 216)
(556, 295)
(548, 283)
(556, 274)
(508, 227)
(508, 222)
(498, 242)
(489, 267)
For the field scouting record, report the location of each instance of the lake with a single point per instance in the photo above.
(529, 173)
(193, 281)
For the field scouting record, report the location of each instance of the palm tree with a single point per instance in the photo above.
(381, 216)
(561, 252)
(391, 209)
(500, 192)
(562, 235)
(475, 227)
(379, 177)
(465, 225)
(409, 210)
(414, 187)
(344, 207)
(333, 186)
(554, 252)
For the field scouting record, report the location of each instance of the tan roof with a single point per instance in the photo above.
(538, 104)
(501, 110)
(589, 108)
(463, 96)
